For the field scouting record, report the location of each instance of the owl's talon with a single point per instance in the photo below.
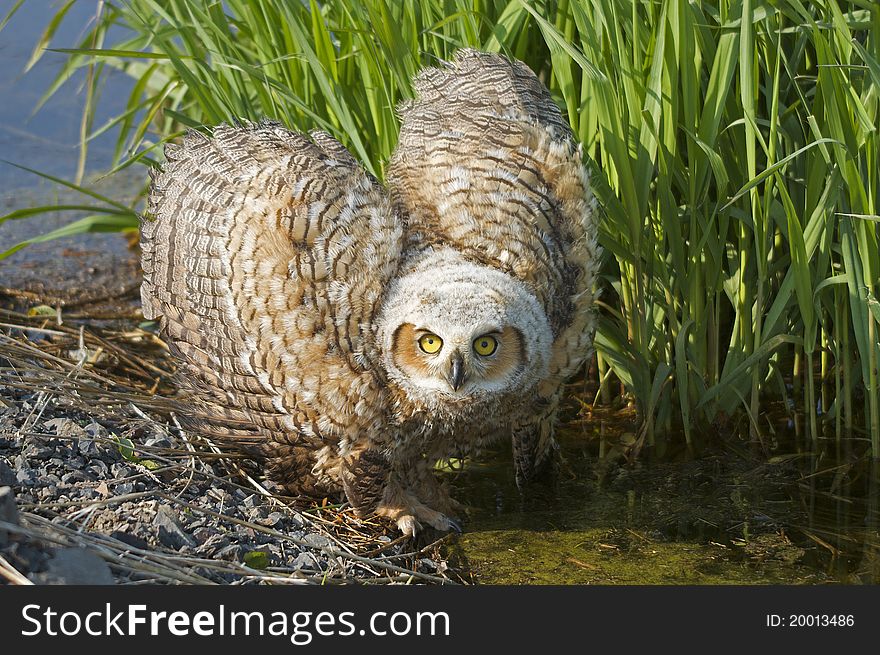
(408, 525)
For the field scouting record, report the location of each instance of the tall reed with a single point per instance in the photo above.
(733, 148)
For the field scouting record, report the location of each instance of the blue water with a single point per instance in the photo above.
(48, 140)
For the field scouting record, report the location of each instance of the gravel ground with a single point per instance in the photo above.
(100, 485)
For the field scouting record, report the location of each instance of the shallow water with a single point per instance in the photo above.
(727, 516)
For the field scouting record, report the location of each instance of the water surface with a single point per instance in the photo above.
(726, 516)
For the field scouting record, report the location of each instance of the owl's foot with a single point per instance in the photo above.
(413, 515)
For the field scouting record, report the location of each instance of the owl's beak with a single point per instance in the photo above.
(456, 371)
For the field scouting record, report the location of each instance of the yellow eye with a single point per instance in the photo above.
(485, 345)
(430, 343)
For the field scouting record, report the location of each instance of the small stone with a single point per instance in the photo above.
(25, 477)
(96, 431)
(121, 471)
(7, 475)
(314, 540)
(77, 476)
(306, 561)
(98, 467)
(169, 531)
(8, 512)
(64, 427)
(130, 539)
(88, 447)
(72, 566)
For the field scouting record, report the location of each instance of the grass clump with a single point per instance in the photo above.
(733, 146)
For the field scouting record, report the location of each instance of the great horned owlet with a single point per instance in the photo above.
(352, 334)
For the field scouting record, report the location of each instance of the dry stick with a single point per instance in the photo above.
(12, 574)
(34, 329)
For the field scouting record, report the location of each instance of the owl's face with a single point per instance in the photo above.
(459, 360)
(457, 332)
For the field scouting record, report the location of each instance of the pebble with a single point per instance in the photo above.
(7, 475)
(72, 458)
(64, 427)
(25, 477)
(130, 539)
(315, 540)
(76, 566)
(96, 431)
(8, 512)
(306, 560)
(88, 447)
(169, 532)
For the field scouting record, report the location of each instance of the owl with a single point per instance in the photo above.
(351, 334)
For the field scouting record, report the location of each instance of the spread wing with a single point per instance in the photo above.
(487, 164)
(264, 260)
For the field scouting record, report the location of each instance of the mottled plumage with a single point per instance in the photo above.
(352, 334)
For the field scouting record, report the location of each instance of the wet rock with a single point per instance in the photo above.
(75, 566)
(169, 531)
(8, 512)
